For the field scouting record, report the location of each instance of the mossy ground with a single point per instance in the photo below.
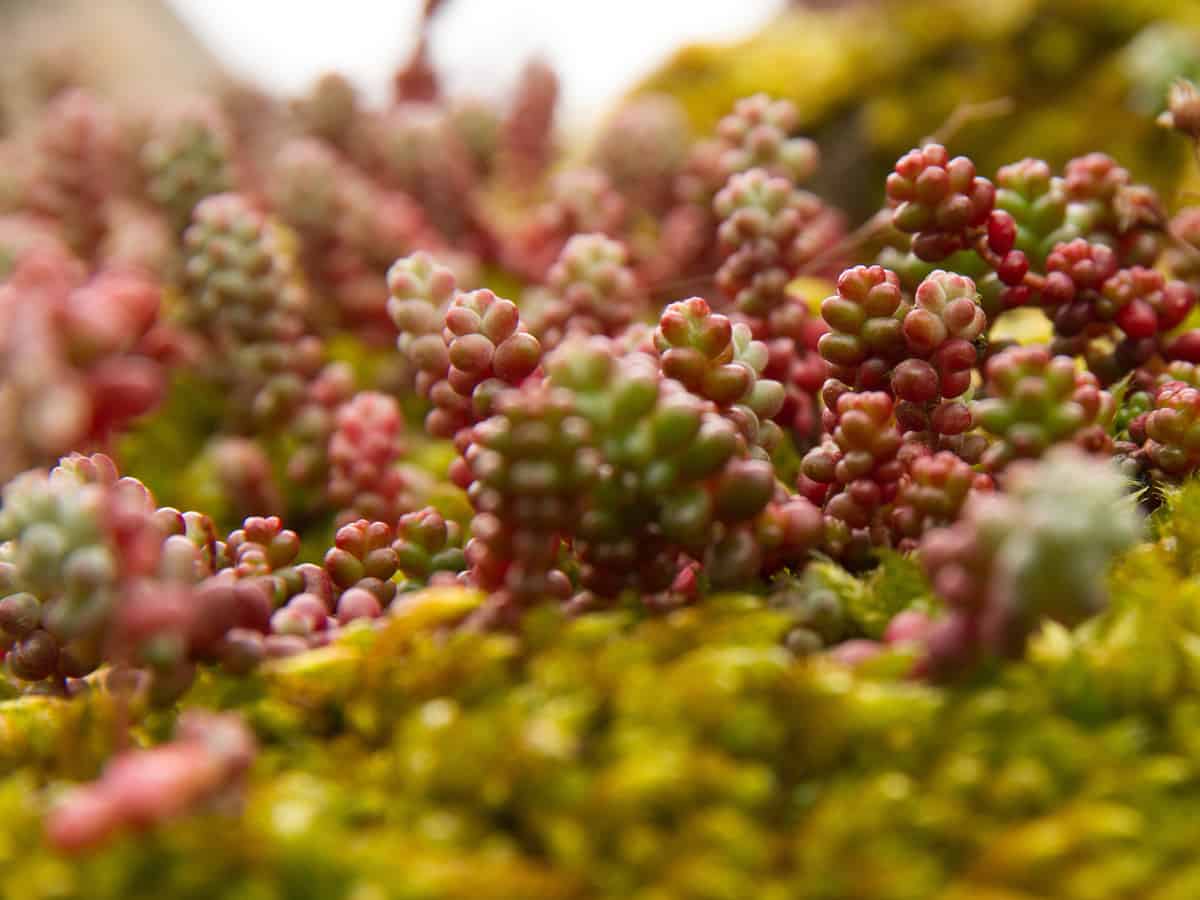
(685, 755)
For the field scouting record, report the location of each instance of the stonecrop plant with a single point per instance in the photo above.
(627, 523)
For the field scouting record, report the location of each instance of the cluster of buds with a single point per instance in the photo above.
(94, 573)
(590, 289)
(941, 333)
(484, 349)
(306, 188)
(364, 481)
(420, 293)
(943, 325)
(855, 473)
(262, 553)
(428, 546)
(898, 370)
(204, 764)
(525, 469)
(675, 476)
(1035, 400)
(758, 133)
(242, 297)
(62, 571)
(189, 156)
(1170, 431)
(260, 548)
(414, 149)
(718, 360)
(866, 321)
(1145, 307)
(1036, 201)
(931, 494)
(1105, 205)
(769, 233)
(1096, 303)
(938, 200)
(363, 559)
(237, 276)
(309, 191)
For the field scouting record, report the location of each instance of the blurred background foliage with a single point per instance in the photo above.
(872, 78)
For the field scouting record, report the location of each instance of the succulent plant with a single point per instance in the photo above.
(1035, 400)
(528, 468)
(720, 361)
(590, 289)
(769, 233)
(427, 544)
(1027, 554)
(485, 349)
(363, 450)
(525, 585)
(866, 321)
(938, 200)
(242, 296)
(1170, 444)
(757, 133)
(187, 158)
(580, 201)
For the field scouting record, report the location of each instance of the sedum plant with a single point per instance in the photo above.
(635, 522)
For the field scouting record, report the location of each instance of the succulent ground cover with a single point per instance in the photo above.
(399, 504)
